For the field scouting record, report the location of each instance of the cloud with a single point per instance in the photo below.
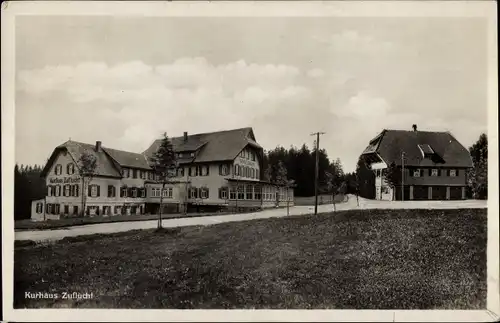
(363, 105)
(141, 101)
(315, 73)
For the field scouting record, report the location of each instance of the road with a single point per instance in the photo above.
(45, 235)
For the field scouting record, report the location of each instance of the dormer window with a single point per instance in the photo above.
(192, 154)
(426, 151)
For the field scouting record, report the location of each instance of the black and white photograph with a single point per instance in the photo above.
(250, 156)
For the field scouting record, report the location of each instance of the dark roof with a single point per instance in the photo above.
(108, 160)
(443, 147)
(213, 146)
(128, 159)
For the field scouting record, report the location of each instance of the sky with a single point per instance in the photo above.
(126, 80)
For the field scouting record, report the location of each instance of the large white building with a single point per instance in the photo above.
(218, 170)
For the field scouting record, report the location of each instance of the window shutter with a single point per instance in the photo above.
(77, 188)
(447, 172)
(430, 172)
(439, 172)
(220, 170)
(220, 193)
(208, 170)
(89, 190)
(456, 172)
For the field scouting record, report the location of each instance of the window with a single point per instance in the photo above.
(257, 192)
(143, 192)
(150, 176)
(192, 154)
(167, 192)
(416, 173)
(134, 191)
(241, 192)
(204, 192)
(57, 190)
(134, 173)
(223, 193)
(94, 190)
(74, 190)
(123, 191)
(249, 192)
(70, 169)
(111, 191)
(237, 170)
(180, 171)
(179, 155)
(67, 190)
(232, 194)
(193, 192)
(56, 209)
(204, 170)
(125, 172)
(66, 209)
(224, 170)
(58, 169)
(39, 208)
(434, 172)
(453, 173)
(75, 209)
(143, 174)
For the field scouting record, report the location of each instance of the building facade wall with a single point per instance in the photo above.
(207, 177)
(428, 185)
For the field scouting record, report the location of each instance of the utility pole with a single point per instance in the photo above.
(402, 176)
(316, 171)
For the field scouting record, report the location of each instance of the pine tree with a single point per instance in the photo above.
(164, 164)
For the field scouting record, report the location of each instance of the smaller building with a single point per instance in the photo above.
(433, 165)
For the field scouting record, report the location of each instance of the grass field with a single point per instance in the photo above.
(371, 259)
(322, 199)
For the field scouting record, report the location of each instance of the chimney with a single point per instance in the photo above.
(98, 146)
(185, 136)
(414, 127)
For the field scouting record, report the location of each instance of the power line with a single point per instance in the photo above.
(316, 171)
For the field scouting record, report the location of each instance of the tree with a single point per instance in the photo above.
(281, 180)
(335, 184)
(477, 176)
(87, 165)
(164, 164)
(393, 177)
(365, 179)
